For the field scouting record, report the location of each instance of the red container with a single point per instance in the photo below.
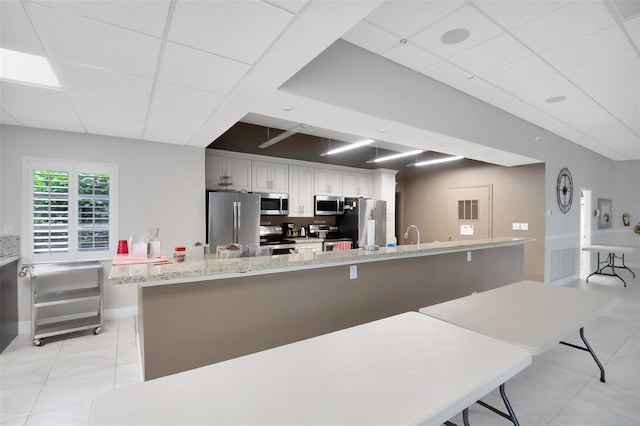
(123, 247)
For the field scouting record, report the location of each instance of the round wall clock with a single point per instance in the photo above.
(564, 188)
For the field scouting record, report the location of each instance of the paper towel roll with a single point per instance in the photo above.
(371, 232)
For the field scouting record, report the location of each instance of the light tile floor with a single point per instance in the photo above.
(55, 384)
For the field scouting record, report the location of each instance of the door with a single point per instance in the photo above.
(585, 232)
(220, 218)
(470, 212)
(248, 221)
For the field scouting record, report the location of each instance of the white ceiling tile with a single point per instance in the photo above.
(101, 45)
(587, 49)
(240, 30)
(371, 37)
(499, 98)
(411, 56)
(474, 86)
(480, 27)
(620, 95)
(99, 81)
(148, 16)
(184, 98)
(541, 88)
(633, 28)
(168, 134)
(515, 73)
(561, 25)
(576, 110)
(511, 14)
(160, 116)
(109, 107)
(16, 32)
(447, 72)
(491, 54)
(405, 18)
(6, 118)
(102, 125)
(614, 135)
(619, 63)
(25, 94)
(294, 6)
(30, 115)
(205, 71)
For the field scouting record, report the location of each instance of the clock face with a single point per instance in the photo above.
(564, 189)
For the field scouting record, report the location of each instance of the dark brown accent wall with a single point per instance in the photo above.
(188, 325)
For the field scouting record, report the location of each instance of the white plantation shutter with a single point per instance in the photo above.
(93, 211)
(50, 211)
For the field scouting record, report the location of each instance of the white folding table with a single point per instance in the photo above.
(405, 369)
(613, 253)
(532, 315)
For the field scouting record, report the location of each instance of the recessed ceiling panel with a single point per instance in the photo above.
(619, 63)
(35, 116)
(541, 88)
(406, 17)
(145, 16)
(491, 54)
(481, 29)
(99, 81)
(515, 73)
(101, 45)
(16, 32)
(102, 125)
(168, 134)
(561, 25)
(205, 71)
(109, 107)
(447, 72)
(512, 14)
(620, 94)
(160, 116)
(41, 97)
(411, 56)
(240, 30)
(371, 37)
(186, 99)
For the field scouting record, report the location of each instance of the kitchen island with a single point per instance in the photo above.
(206, 310)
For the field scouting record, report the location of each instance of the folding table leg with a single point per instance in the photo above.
(588, 349)
(511, 416)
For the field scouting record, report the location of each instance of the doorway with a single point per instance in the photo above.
(585, 232)
(470, 212)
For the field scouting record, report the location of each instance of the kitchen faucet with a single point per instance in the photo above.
(406, 233)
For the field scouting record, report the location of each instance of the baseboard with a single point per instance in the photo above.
(565, 280)
(24, 327)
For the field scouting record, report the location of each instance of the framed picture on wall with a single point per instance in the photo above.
(604, 213)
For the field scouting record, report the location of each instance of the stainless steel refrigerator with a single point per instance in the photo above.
(353, 223)
(232, 217)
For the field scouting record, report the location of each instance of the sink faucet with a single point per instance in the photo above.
(406, 233)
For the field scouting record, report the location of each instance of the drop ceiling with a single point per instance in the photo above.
(184, 72)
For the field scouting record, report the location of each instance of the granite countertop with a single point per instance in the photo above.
(200, 268)
(5, 260)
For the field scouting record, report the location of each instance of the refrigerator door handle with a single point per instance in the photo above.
(234, 233)
(238, 224)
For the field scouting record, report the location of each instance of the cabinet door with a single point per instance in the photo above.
(240, 171)
(214, 172)
(300, 191)
(356, 184)
(279, 177)
(328, 182)
(260, 176)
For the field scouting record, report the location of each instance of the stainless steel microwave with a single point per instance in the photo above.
(274, 204)
(328, 205)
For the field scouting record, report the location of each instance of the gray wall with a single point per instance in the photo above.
(518, 196)
(626, 198)
(160, 185)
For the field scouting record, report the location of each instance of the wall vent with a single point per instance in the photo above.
(563, 263)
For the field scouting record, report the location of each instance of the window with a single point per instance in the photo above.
(72, 211)
(467, 209)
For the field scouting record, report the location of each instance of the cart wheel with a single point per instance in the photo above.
(97, 330)
(38, 342)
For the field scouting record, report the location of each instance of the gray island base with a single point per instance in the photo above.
(204, 311)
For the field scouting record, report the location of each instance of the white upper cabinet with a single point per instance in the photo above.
(328, 182)
(269, 177)
(356, 184)
(300, 191)
(228, 173)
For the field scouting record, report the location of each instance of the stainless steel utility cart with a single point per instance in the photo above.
(71, 320)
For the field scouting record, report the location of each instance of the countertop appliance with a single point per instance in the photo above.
(274, 204)
(353, 223)
(323, 231)
(288, 229)
(271, 236)
(328, 205)
(232, 217)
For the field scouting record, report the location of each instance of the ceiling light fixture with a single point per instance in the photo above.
(439, 160)
(283, 135)
(395, 156)
(25, 68)
(455, 36)
(555, 99)
(348, 147)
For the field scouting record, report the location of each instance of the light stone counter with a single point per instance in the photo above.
(202, 268)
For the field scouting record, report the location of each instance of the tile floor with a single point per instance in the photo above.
(55, 384)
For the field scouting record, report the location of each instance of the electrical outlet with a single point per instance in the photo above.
(524, 226)
(468, 256)
(353, 272)
(515, 226)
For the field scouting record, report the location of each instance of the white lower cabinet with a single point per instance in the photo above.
(309, 247)
(300, 191)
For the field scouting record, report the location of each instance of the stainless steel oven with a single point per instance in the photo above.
(274, 204)
(328, 205)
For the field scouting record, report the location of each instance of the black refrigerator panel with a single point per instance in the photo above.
(348, 222)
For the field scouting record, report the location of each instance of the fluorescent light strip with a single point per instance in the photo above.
(348, 147)
(395, 156)
(25, 68)
(439, 160)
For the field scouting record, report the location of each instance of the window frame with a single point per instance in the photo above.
(74, 168)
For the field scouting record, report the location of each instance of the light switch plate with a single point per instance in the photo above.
(468, 256)
(353, 272)
(524, 226)
(515, 226)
